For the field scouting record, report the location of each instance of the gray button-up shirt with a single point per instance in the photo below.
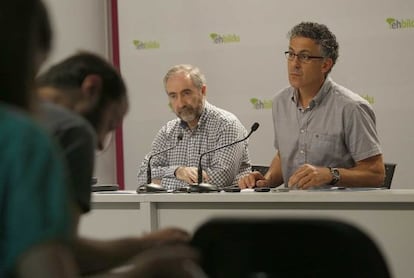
(336, 130)
(216, 128)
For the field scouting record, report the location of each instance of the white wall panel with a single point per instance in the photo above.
(375, 61)
(82, 25)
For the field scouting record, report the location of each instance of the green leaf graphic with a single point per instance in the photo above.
(390, 20)
(254, 101)
(213, 36)
(136, 42)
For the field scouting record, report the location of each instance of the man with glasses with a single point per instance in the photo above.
(325, 135)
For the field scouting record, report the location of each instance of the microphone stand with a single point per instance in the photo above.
(206, 187)
(150, 186)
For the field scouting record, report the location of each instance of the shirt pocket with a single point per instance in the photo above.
(323, 143)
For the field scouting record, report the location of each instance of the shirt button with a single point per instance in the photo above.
(302, 151)
(302, 131)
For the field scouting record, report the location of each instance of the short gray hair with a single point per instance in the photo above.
(194, 73)
(321, 35)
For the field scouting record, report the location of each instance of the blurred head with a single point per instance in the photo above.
(90, 86)
(313, 51)
(21, 22)
(186, 89)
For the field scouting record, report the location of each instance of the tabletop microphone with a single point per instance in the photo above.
(210, 187)
(150, 186)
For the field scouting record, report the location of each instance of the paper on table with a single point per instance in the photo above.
(116, 192)
(245, 190)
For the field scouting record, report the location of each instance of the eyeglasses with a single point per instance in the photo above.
(302, 57)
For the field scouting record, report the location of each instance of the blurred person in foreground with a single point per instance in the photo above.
(36, 228)
(84, 101)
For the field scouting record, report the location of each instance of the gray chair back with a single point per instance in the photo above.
(389, 174)
(287, 248)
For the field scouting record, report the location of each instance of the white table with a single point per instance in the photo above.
(386, 215)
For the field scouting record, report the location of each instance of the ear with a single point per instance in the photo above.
(326, 65)
(204, 90)
(91, 89)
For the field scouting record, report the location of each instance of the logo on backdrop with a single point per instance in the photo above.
(260, 104)
(146, 45)
(369, 98)
(218, 39)
(400, 24)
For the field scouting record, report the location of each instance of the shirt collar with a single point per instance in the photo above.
(323, 91)
(327, 85)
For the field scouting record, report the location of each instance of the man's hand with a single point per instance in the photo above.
(189, 174)
(166, 236)
(252, 180)
(308, 176)
(171, 261)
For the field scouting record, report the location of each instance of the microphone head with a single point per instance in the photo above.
(255, 126)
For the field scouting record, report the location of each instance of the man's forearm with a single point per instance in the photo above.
(50, 259)
(368, 172)
(98, 255)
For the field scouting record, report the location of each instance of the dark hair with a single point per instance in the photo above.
(70, 73)
(19, 26)
(321, 35)
(68, 76)
(44, 30)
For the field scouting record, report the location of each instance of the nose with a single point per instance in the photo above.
(295, 61)
(179, 102)
(100, 146)
(104, 139)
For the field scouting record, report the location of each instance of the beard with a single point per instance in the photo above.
(189, 114)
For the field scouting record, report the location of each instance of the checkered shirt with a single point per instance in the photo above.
(216, 127)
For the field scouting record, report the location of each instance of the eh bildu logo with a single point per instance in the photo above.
(217, 39)
(261, 104)
(370, 99)
(146, 45)
(399, 24)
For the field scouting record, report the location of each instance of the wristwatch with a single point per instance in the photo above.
(335, 175)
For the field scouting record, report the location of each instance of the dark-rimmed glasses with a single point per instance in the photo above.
(302, 57)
